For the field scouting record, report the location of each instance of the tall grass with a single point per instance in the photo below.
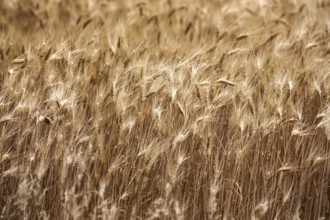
(164, 109)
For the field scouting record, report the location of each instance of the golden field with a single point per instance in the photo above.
(165, 109)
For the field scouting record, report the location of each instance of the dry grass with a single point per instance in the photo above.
(164, 109)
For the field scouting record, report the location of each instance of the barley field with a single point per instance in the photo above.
(165, 109)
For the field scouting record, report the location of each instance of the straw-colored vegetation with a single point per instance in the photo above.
(164, 109)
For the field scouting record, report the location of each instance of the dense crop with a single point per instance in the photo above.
(164, 109)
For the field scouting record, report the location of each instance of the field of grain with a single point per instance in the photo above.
(165, 109)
